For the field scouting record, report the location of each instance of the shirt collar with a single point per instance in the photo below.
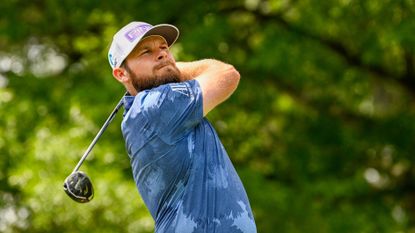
(128, 102)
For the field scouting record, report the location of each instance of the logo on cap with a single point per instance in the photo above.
(137, 31)
(112, 59)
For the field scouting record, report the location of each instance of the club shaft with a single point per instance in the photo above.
(101, 131)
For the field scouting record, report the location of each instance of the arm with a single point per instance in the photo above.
(217, 80)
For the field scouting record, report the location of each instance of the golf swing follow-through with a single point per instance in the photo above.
(180, 166)
(78, 185)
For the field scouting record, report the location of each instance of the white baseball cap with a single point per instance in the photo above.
(130, 35)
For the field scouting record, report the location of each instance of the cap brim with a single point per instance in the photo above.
(167, 31)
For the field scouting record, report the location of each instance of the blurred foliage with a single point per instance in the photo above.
(321, 128)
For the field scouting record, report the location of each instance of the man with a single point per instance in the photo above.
(180, 167)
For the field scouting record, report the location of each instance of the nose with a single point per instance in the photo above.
(162, 54)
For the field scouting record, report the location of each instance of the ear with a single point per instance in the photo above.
(121, 75)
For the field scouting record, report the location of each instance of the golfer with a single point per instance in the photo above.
(179, 164)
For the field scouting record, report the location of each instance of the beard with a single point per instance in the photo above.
(170, 75)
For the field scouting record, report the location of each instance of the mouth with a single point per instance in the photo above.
(162, 65)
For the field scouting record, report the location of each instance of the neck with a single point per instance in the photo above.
(131, 90)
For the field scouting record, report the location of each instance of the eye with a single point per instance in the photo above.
(164, 47)
(143, 52)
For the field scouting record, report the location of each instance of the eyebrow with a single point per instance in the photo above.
(148, 47)
(143, 48)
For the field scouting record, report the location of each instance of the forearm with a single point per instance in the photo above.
(217, 80)
(191, 70)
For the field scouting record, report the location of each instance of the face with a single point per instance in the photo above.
(151, 64)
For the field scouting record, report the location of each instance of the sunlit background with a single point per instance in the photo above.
(321, 129)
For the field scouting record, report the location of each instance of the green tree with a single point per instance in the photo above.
(320, 129)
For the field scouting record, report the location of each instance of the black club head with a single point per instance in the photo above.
(79, 187)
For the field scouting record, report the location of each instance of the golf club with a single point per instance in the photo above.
(78, 185)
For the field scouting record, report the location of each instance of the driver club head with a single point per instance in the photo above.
(78, 186)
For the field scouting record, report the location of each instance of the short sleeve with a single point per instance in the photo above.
(174, 109)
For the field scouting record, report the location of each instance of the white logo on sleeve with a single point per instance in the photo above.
(180, 88)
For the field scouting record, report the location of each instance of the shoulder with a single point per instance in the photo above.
(168, 93)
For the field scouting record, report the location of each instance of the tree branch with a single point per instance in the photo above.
(406, 80)
(325, 107)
